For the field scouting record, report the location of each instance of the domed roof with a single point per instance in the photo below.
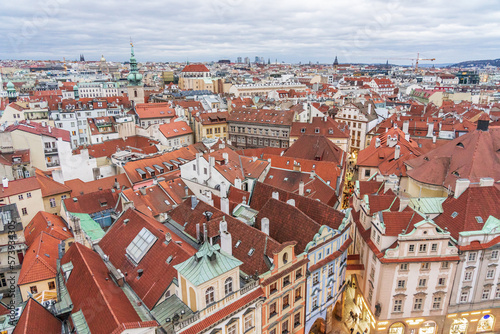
(134, 77)
(10, 85)
(102, 58)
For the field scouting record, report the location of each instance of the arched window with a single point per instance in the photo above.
(228, 286)
(210, 296)
(285, 258)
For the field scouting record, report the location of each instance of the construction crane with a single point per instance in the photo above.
(415, 59)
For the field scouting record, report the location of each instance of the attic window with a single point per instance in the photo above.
(460, 145)
(251, 251)
(479, 219)
(454, 214)
(270, 176)
(426, 158)
(316, 130)
(455, 173)
(169, 259)
(303, 130)
(237, 244)
(140, 245)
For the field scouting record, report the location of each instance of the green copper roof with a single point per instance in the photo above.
(80, 323)
(168, 308)
(492, 225)
(89, 226)
(427, 205)
(208, 263)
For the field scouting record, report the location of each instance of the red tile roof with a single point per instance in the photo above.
(175, 129)
(93, 202)
(268, 117)
(152, 203)
(317, 148)
(50, 187)
(154, 110)
(107, 148)
(7, 159)
(472, 156)
(195, 68)
(474, 202)
(49, 223)
(19, 186)
(157, 274)
(209, 118)
(37, 319)
(91, 288)
(40, 261)
(329, 128)
(39, 129)
(78, 187)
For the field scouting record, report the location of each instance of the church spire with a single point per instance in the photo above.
(134, 78)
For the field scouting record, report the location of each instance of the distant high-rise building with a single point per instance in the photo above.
(247, 60)
(256, 59)
(82, 58)
(238, 60)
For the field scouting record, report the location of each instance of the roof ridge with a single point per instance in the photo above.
(101, 291)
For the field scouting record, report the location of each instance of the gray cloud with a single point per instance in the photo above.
(316, 30)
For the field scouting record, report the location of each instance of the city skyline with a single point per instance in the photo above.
(316, 31)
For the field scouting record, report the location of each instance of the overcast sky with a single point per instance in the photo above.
(367, 31)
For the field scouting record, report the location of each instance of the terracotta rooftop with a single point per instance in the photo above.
(78, 187)
(107, 148)
(318, 148)
(39, 129)
(92, 202)
(319, 126)
(49, 223)
(40, 261)
(268, 117)
(19, 186)
(175, 129)
(154, 110)
(37, 319)
(195, 68)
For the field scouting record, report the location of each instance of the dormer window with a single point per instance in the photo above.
(210, 296)
(228, 286)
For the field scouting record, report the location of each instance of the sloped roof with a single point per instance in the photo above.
(78, 187)
(195, 68)
(471, 156)
(157, 273)
(154, 110)
(39, 129)
(317, 148)
(208, 263)
(49, 223)
(19, 186)
(138, 144)
(175, 129)
(89, 285)
(460, 214)
(269, 117)
(40, 261)
(93, 202)
(319, 126)
(37, 319)
(50, 187)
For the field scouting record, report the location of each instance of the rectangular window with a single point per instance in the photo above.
(367, 172)
(442, 281)
(486, 294)
(444, 265)
(418, 304)
(468, 276)
(248, 322)
(314, 303)
(315, 278)
(24, 211)
(3, 281)
(286, 301)
(436, 303)
(28, 195)
(232, 329)
(434, 247)
(284, 327)
(296, 320)
(52, 202)
(422, 248)
(398, 305)
(401, 284)
(472, 256)
(422, 282)
(490, 274)
(497, 292)
(52, 285)
(33, 289)
(424, 266)
(272, 310)
(298, 274)
(273, 288)
(298, 294)
(403, 266)
(286, 280)
(330, 270)
(20, 197)
(411, 248)
(494, 254)
(464, 296)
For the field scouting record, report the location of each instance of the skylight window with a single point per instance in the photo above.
(251, 251)
(479, 219)
(237, 244)
(140, 245)
(454, 214)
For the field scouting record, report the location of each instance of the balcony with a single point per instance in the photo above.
(53, 164)
(50, 150)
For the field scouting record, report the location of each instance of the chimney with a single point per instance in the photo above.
(434, 138)
(377, 142)
(406, 126)
(301, 188)
(407, 136)
(237, 183)
(430, 129)
(226, 243)
(205, 233)
(291, 202)
(5, 182)
(198, 232)
(117, 184)
(325, 118)
(194, 202)
(388, 140)
(186, 191)
(276, 195)
(460, 186)
(223, 189)
(143, 190)
(211, 161)
(486, 182)
(264, 225)
(397, 152)
(369, 108)
(391, 183)
(168, 238)
(224, 205)
(49, 129)
(226, 157)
